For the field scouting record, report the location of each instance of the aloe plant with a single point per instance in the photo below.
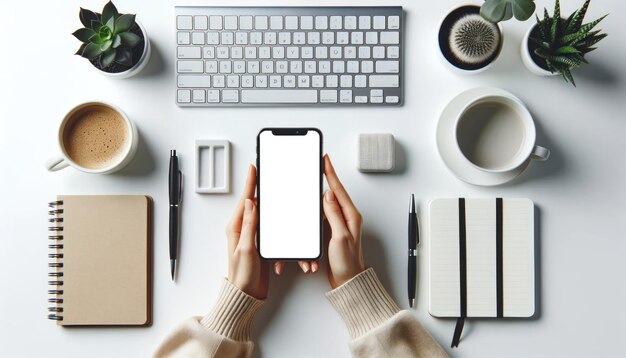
(563, 43)
(107, 36)
(502, 10)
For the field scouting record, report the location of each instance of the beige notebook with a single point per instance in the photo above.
(101, 267)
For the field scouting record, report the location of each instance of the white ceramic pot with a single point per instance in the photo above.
(452, 67)
(143, 60)
(528, 60)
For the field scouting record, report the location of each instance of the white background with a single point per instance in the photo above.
(579, 192)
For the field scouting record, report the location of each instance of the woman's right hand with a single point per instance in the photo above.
(345, 255)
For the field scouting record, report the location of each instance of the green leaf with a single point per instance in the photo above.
(566, 50)
(81, 49)
(124, 23)
(566, 60)
(84, 34)
(567, 75)
(107, 45)
(523, 10)
(129, 39)
(556, 19)
(109, 11)
(107, 57)
(493, 10)
(95, 25)
(92, 51)
(587, 27)
(117, 41)
(124, 56)
(111, 25)
(86, 16)
(580, 15)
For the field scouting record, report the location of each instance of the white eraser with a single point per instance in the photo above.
(212, 166)
(376, 152)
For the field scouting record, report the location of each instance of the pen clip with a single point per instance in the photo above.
(180, 187)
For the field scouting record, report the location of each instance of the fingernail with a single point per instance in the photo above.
(330, 196)
(278, 268)
(248, 205)
(305, 267)
(314, 267)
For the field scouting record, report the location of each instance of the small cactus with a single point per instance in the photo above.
(473, 40)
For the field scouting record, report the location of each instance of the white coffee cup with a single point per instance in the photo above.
(497, 134)
(125, 155)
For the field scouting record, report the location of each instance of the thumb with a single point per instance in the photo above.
(248, 226)
(333, 213)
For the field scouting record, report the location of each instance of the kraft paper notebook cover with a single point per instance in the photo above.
(101, 249)
(481, 258)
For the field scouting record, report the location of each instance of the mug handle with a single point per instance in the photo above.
(540, 153)
(56, 163)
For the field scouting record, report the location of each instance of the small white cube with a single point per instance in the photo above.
(376, 152)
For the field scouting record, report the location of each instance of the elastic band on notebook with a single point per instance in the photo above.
(458, 330)
(499, 256)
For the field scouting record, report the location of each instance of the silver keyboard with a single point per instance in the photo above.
(241, 56)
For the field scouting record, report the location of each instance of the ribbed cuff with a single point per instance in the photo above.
(233, 313)
(363, 303)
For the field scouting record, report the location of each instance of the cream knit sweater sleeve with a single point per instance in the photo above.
(376, 325)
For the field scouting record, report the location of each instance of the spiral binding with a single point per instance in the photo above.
(55, 231)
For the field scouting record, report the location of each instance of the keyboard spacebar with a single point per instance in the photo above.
(278, 96)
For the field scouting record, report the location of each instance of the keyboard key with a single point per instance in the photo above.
(247, 81)
(299, 38)
(389, 37)
(239, 66)
(324, 66)
(350, 23)
(199, 96)
(241, 38)
(328, 96)
(236, 52)
(282, 67)
(295, 66)
(265, 52)
(345, 96)
(222, 52)
(392, 99)
(335, 52)
(393, 52)
(353, 67)
(228, 38)
(189, 52)
(256, 38)
(376, 93)
(190, 81)
(200, 22)
(379, 22)
(225, 67)
(291, 22)
(267, 67)
(190, 66)
(376, 99)
(250, 52)
(313, 38)
(212, 38)
(357, 38)
(393, 22)
(367, 66)
(306, 22)
(321, 22)
(215, 22)
(317, 81)
(219, 81)
(345, 81)
(335, 23)
(328, 38)
(230, 22)
(384, 81)
(276, 22)
(210, 66)
(184, 38)
(278, 96)
(269, 38)
(208, 52)
(290, 81)
(197, 38)
(343, 38)
(212, 96)
(245, 22)
(293, 52)
(304, 81)
(230, 96)
(332, 81)
(364, 52)
(260, 22)
(275, 81)
(371, 38)
(284, 38)
(260, 81)
(184, 23)
(364, 22)
(387, 66)
(379, 52)
(349, 52)
(339, 66)
(360, 81)
(184, 96)
(360, 99)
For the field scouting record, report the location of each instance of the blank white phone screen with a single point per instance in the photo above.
(289, 194)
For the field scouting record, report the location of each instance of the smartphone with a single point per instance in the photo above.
(289, 193)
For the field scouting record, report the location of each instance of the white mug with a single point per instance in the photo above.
(497, 134)
(63, 160)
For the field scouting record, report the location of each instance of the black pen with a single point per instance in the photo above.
(175, 188)
(414, 239)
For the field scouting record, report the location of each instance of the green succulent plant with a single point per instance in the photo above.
(107, 36)
(563, 43)
(502, 10)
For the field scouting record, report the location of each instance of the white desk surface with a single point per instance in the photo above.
(580, 192)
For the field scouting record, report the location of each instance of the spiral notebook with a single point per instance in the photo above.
(101, 260)
(481, 259)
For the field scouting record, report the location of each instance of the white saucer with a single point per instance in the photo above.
(458, 165)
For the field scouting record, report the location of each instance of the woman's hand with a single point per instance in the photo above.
(345, 256)
(246, 270)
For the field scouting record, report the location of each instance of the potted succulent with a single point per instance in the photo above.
(115, 44)
(470, 36)
(556, 45)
